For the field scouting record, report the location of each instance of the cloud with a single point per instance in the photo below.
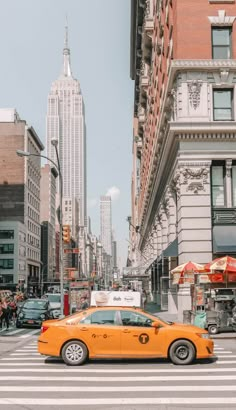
(114, 193)
(92, 202)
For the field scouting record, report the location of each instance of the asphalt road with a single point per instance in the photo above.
(29, 381)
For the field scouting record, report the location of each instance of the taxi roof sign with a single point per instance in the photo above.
(110, 298)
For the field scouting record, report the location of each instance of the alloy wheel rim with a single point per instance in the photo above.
(182, 352)
(74, 353)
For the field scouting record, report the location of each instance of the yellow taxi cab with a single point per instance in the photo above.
(122, 332)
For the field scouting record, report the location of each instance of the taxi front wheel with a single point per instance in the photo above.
(74, 353)
(182, 352)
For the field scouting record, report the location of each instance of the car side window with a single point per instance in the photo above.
(129, 318)
(101, 317)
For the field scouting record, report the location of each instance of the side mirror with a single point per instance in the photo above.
(156, 324)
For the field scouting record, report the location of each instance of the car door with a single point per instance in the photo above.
(138, 337)
(101, 333)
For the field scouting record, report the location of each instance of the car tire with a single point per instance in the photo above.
(213, 329)
(182, 352)
(74, 353)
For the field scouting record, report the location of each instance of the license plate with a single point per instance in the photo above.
(30, 321)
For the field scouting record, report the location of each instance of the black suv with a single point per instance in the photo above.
(33, 312)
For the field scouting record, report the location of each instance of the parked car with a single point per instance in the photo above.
(55, 302)
(33, 312)
(122, 332)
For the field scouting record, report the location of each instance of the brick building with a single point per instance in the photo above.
(184, 147)
(20, 189)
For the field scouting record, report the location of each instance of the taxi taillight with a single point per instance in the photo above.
(44, 328)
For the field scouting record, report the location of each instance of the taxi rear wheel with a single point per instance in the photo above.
(182, 352)
(74, 353)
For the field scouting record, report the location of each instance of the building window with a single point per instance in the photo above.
(221, 42)
(6, 263)
(234, 184)
(6, 248)
(6, 234)
(217, 186)
(223, 104)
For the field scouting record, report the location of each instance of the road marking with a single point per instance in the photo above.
(114, 370)
(113, 388)
(226, 356)
(14, 332)
(26, 350)
(23, 354)
(225, 352)
(117, 379)
(226, 362)
(23, 358)
(118, 401)
(33, 332)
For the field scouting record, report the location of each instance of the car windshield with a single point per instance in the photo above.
(35, 304)
(54, 298)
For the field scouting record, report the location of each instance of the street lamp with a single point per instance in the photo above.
(21, 153)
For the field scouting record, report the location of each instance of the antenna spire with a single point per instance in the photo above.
(66, 54)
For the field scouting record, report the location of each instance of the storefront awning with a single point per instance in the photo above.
(224, 239)
(172, 249)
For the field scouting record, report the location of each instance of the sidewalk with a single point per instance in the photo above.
(155, 310)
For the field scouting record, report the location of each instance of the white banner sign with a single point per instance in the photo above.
(106, 298)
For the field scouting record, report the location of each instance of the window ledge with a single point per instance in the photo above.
(222, 1)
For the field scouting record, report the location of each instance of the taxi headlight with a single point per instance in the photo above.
(42, 316)
(204, 335)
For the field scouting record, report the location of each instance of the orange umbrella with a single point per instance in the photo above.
(185, 272)
(224, 264)
(220, 266)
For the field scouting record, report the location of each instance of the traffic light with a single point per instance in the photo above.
(66, 233)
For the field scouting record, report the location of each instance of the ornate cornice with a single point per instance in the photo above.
(213, 64)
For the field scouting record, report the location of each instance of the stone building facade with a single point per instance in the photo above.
(184, 146)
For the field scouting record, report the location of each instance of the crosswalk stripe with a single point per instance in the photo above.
(23, 354)
(23, 359)
(26, 350)
(118, 401)
(14, 332)
(226, 362)
(116, 379)
(226, 356)
(120, 370)
(33, 332)
(114, 388)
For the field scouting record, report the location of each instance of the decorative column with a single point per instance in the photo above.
(172, 219)
(194, 221)
(228, 178)
(194, 212)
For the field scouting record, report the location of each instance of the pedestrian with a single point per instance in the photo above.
(84, 303)
(144, 298)
(5, 313)
(1, 313)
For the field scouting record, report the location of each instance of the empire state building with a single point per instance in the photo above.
(66, 123)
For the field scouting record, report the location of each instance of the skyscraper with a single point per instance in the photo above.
(106, 223)
(66, 123)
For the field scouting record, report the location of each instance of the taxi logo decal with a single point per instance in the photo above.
(143, 338)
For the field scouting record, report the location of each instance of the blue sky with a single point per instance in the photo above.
(32, 38)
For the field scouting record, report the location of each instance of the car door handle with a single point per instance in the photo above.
(84, 328)
(126, 331)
